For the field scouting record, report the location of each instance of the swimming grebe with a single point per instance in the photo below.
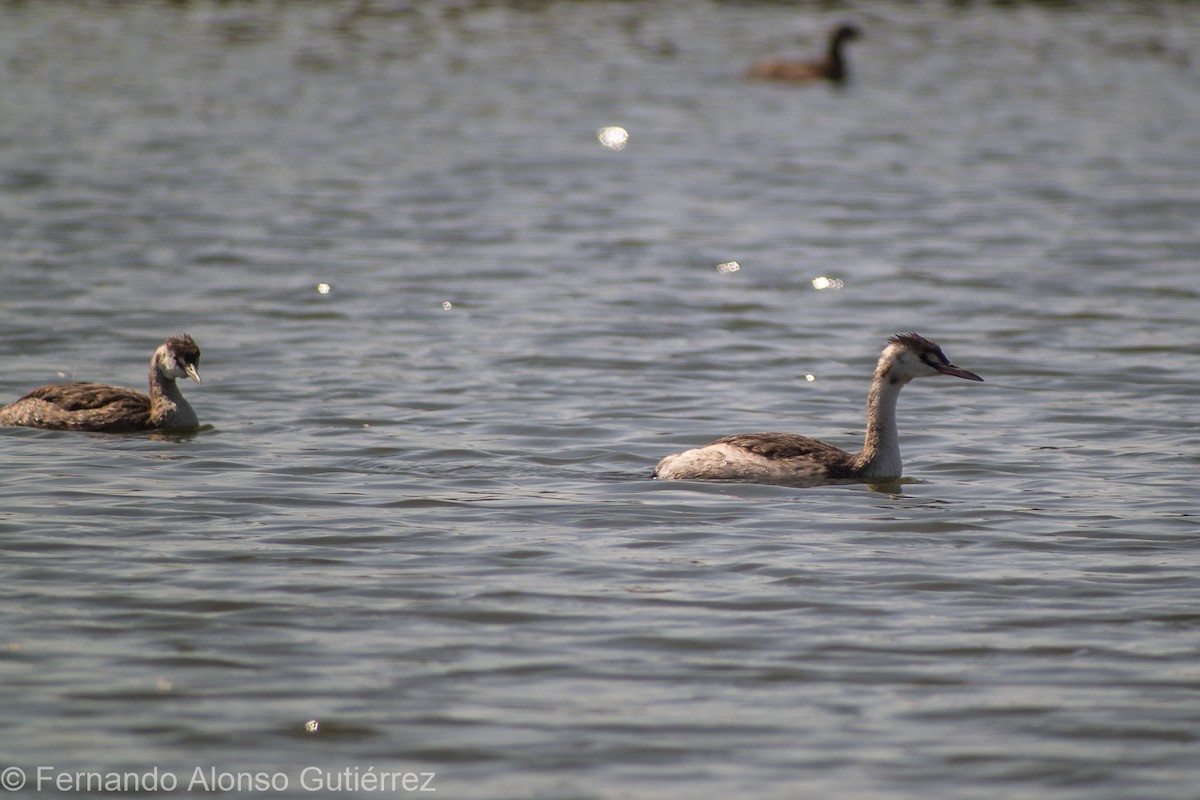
(115, 409)
(832, 67)
(787, 458)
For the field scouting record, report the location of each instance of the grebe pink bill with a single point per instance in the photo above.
(785, 458)
(115, 409)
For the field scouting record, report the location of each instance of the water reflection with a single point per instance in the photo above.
(613, 137)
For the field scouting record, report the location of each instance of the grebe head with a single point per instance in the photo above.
(909, 356)
(178, 357)
(845, 32)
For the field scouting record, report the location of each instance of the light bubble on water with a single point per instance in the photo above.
(810, 377)
(324, 288)
(312, 726)
(614, 137)
(447, 305)
(728, 266)
(827, 283)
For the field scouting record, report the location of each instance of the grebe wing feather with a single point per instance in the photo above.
(789, 447)
(91, 397)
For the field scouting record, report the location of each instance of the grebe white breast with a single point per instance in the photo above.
(831, 68)
(115, 409)
(787, 458)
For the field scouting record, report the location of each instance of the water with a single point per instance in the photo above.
(421, 516)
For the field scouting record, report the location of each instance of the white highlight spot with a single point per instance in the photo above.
(324, 288)
(447, 305)
(614, 137)
(827, 283)
(810, 377)
(728, 266)
(312, 726)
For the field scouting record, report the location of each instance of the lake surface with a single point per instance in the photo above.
(447, 333)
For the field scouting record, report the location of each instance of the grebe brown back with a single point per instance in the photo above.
(831, 68)
(787, 458)
(115, 409)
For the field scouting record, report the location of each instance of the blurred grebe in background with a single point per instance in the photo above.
(831, 68)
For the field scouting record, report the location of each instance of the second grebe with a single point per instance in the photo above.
(115, 409)
(787, 458)
(832, 67)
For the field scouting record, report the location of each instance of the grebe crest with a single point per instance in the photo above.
(788, 458)
(116, 409)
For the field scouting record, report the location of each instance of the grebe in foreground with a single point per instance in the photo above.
(831, 68)
(787, 458)
(115, 409)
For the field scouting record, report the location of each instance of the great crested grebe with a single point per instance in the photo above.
(115, 409)
(831, 68)
(787, 458)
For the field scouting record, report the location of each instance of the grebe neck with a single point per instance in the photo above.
(834, 65)
(168, 407)
(880, 456)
